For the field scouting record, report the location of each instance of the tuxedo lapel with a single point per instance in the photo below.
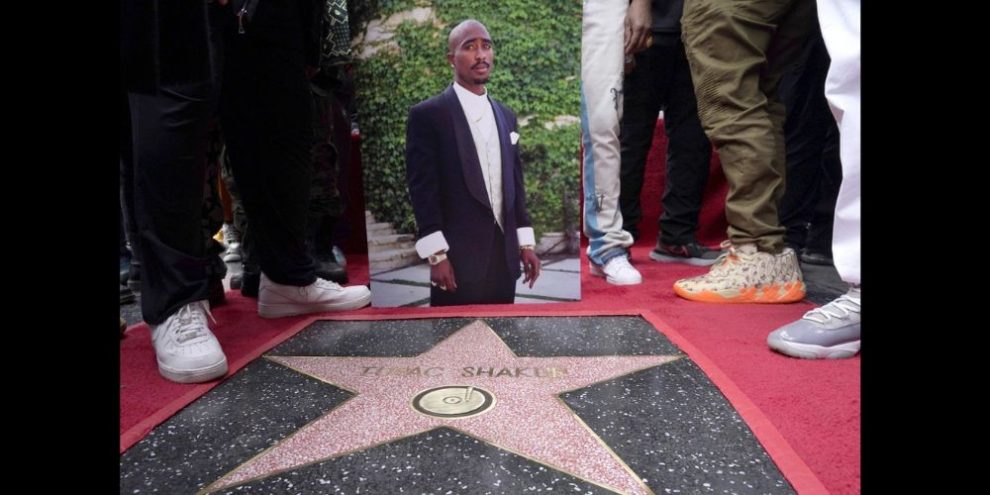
(466, 150)
(508, 157)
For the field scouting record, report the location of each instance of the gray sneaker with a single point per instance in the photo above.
(829, 332)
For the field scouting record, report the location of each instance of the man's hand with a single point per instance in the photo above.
(531, 266)
(639, 27)
(442, 276)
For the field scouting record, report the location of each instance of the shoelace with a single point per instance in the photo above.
(721, 263)
(839, 309)
(190, 323)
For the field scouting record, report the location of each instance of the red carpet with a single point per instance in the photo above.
(807, 408)
(814, 405)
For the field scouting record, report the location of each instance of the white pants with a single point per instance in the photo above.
(601, 108)
(840, 28)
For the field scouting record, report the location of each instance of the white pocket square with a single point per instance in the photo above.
(514, 137)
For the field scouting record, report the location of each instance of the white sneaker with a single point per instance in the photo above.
(277, 300)
(186, 349)
(617, 271)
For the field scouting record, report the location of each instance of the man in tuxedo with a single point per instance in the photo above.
(466, 184)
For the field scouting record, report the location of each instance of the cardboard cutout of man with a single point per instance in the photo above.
(466, 184)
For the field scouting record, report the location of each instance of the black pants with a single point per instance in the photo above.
(169, 142)
(662, 80)
(266, 116)
(128, 222)
(497, 286)
(814, 172)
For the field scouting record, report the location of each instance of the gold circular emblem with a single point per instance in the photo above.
(457, 401)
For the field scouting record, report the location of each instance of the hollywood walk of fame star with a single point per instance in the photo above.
(526, 417)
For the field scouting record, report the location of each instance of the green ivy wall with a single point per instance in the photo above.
(536, 73)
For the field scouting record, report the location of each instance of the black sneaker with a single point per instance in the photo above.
(691, 254)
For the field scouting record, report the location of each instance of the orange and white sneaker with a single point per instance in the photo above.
(745, 275)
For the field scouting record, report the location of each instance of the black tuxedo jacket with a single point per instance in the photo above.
(448, 190)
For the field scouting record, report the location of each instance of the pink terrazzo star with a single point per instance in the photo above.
(528, 418)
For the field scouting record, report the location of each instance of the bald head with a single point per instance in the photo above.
(459, 30)
(471, 54)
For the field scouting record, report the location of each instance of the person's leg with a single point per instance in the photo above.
(818, 244)
(169, 132)
(802, 91)
(266, 110)
(601, 104)
(642, 91)
(169, 116)
(266, 114)
(737, 52)
(688, 155)
(127, 207)
(325, 205)
(841, 30)
(737, 56)
(834, 330)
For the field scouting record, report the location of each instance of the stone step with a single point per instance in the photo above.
(391, 246)
(393, 258)
(379, 229)
(385, 239)
(390, 242)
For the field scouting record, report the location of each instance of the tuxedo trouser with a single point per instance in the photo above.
(496, 287)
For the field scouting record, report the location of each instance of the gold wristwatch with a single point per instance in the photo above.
(435, 259)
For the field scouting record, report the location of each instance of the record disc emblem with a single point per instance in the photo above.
(458, 401)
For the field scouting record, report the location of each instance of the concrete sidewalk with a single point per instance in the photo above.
(559, 281)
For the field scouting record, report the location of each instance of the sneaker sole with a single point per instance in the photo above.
(771, 294)
(229, 258)
(663, 258)
(291, 309)
(598, 272)
(194, 376)
(811, 351)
